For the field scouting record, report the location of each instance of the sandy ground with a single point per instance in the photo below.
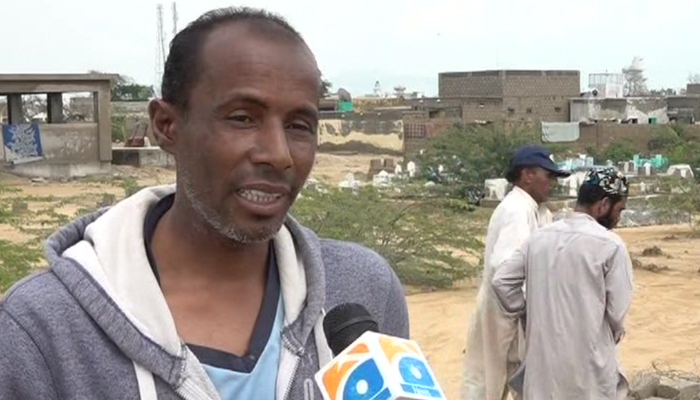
(664, 326)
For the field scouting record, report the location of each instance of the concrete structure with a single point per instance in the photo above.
(684, 109)
(693, 88)
(70, 148)
(368, 132)
(607, 85)
(516, 95)
(641, 110)
(152, 156)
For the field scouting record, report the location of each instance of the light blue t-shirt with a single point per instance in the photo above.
(259, 384)
(253, 375)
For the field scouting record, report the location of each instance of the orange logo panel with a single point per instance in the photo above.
(334, 376)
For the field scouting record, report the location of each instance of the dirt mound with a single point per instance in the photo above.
(653, 251)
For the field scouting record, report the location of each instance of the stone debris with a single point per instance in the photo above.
(653, 251)
(651, 267)
(20, 207)
(658, 385)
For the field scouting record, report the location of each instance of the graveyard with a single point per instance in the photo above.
(663, 323)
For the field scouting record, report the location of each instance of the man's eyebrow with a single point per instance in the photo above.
(307, 111)
(241, 98)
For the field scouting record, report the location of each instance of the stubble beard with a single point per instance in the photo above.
(220, 223)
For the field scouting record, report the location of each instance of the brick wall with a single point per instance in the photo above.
(599, 136)
(540, 95)
(485, 109)
(462, 84)
(524, 95)
(542, 83)
(596, 136)
(693, 88)
(417, 133)
(532, 108)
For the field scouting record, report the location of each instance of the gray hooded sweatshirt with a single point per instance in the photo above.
(96, 324)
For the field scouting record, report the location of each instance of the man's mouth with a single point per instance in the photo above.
(259, 197)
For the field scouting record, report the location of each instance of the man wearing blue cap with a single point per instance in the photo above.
(494, 343)
(579, 278)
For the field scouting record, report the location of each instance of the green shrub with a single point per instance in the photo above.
(417, 237)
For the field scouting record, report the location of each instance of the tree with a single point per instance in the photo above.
(620, 150)
(417, 237)
(682, 197)
(663, 92)
(325, 88)
(472, 154)
(693, 77)
(635, 80)
(674, 143)
(662, 140)
(126, 89)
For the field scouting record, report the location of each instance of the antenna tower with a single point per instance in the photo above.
(160, 49)
(174, 19)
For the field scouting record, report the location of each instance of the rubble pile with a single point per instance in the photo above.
(659, 385)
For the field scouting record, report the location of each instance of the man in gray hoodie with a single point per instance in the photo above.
(211, 291)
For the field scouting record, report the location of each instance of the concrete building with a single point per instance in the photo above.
(52, 145)
(638, 110)
(607, 85)
(514, 95)
(685, 108)
(693, 89)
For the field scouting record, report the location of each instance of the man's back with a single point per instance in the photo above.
(579, 290)
(494, 343)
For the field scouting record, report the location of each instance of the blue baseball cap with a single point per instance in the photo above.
(536, 156)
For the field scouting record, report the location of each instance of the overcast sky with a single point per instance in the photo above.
(394, 41)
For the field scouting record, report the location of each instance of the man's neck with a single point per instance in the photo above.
(583, 210)
(527, 192)
(189, 248)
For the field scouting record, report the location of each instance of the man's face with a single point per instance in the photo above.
(608, 214)
(540, 182)
(248, 141)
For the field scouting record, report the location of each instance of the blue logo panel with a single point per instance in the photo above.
(416, 378)
(366, 383)
(426, 392)
(414, 372)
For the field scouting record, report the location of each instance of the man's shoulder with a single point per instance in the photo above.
(354, 268)
(356, 274)
(615, 239)
(40, 296)
(341, 256)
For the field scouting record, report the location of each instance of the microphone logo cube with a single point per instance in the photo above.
(379, 367)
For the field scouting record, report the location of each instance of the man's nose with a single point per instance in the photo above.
(272, 146)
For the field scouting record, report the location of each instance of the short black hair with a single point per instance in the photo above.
(182, 65)
(589, 194)
(513, 173)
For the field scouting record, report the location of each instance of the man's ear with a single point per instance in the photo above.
(164, 120)
(604, 206)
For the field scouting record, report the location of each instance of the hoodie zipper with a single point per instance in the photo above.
(291, 382)
(294, 370)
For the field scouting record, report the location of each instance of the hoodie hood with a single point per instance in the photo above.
(107, 248)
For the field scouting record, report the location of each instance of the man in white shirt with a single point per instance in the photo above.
(493, 349)
(579, 279)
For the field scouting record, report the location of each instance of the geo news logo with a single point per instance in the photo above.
(380, 367)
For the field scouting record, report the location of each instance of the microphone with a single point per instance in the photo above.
(368, 365)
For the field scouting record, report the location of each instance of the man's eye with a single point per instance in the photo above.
(299, 126)
(240, 118)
